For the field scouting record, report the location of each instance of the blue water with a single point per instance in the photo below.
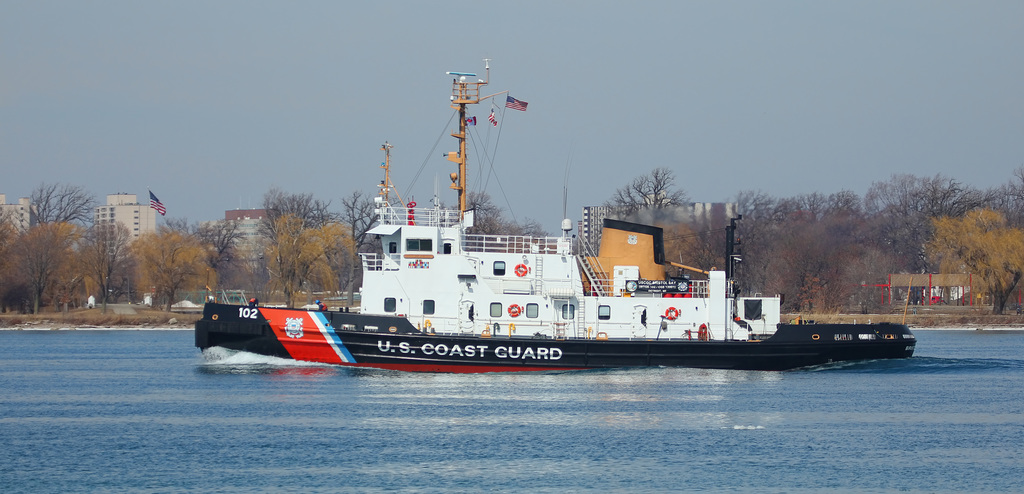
(144, 411)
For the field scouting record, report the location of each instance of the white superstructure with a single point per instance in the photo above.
(437, 276)
(447, 281)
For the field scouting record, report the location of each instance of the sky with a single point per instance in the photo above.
(211, 103)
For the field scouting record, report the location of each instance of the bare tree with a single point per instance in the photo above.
(313, 213)
(946, 197)
(62, 203)
(221, 240)
(903, 208)
(105, 254)
(181, 225)
(357, 213)
(489, 219)
(758, 233)
(654, 191)
(1009, 199)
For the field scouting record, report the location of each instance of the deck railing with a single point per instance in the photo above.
(510, 244)
(398, 215)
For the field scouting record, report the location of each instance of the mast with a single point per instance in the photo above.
(385, 185)
(464, 93)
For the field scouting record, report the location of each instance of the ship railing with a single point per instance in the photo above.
(600, 284)
(378, 262)
(465, 92)
(511, 244)
(699, 288)
(436, 217)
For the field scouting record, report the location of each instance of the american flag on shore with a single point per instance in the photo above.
(515, 104)
(156, 204)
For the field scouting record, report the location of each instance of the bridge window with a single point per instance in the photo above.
(532, 311)
(495, 309)
(604, 312)
(419, 245)
(390, 305)
(499, 268)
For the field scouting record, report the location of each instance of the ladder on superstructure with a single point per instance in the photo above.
(586, 253)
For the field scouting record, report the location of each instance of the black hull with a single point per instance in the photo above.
(393, 343)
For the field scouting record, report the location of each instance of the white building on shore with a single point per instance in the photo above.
(22, 214)
(125, 209)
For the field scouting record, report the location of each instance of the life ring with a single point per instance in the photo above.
(514, 310)
(521, 270)
(412, 214)
(671, 313)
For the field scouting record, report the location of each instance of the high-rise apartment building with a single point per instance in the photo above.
(22, 214)
(126, 210)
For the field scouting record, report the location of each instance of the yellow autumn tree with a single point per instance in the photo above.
(299, 255)
(8, 235)
(339, 250)
(169, 261)
(983, 244)
(44, 252)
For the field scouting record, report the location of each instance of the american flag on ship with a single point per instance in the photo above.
(490, 118)
(156, 204)
(515, 104)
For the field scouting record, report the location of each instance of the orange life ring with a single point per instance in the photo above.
(514, 310)
(521, 270)
(671, 313)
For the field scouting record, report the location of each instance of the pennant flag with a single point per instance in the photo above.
(156, 204)
(471, 121)
(515, 104)
(490, 118)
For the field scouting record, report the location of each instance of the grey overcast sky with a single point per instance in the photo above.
(211, 103)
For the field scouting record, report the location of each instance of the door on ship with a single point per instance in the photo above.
(639, 324)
